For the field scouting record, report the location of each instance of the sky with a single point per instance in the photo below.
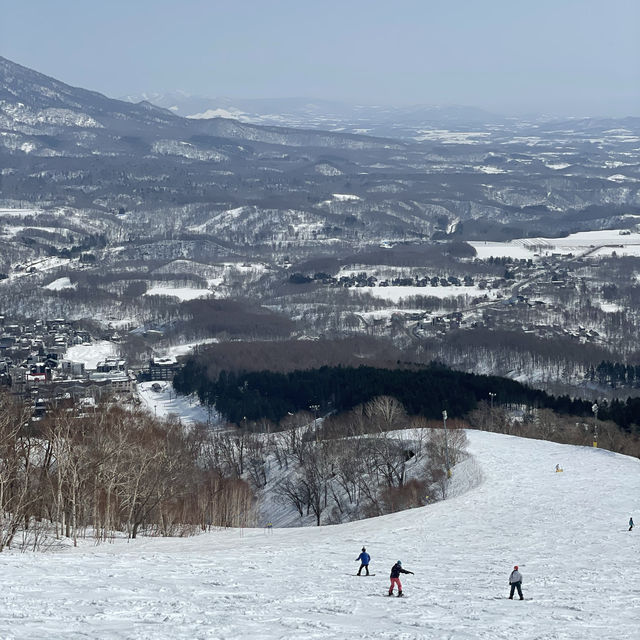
(556, 57)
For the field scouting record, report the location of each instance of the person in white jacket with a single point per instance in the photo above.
(515, 580)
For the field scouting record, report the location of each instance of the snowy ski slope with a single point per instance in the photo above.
(567, 531)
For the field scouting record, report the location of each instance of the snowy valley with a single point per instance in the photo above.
(243, 339)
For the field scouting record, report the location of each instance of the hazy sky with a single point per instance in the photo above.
(579, 57)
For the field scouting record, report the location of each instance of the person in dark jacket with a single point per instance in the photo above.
(515, 580)
(630, 524)
(364, 558)
(396, 570)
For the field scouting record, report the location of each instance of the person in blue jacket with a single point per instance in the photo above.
(364, 558)
(630, 524)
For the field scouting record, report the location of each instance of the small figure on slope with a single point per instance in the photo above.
(558, 468)
(630, 524)
(396, 570)
(364, 559)
(515, 580)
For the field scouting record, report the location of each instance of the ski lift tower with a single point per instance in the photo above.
(595, 408)
(446, 444)
(492, 395)
(315, 408)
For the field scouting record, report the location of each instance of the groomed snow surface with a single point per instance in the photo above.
(567, 532)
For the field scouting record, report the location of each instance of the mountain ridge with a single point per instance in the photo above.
(29, 100)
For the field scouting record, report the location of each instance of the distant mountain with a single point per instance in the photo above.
(32, 104)
(427, 171)
(325, 114)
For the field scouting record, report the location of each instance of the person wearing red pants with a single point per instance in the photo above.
(396, 570)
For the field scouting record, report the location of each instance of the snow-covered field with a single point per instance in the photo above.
(593, 243)
(92, 353)
(486, 250)
(567, 532)
(396, 294)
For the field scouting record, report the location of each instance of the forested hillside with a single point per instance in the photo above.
(423, 391)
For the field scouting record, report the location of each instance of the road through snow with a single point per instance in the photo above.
(567, 531)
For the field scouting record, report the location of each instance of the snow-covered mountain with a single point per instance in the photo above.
(81, 121)
(566, 531)
(384, 120)
(29, 100)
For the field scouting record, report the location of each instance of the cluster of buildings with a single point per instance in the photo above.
(33, 364)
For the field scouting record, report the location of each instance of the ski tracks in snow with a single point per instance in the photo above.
(563, 530)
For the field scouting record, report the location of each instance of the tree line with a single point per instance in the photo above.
(108, 471)
(615, 374)
(426, 391)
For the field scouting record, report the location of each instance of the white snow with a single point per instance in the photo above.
(490, 169)
(451, 137)
(398, 293)
(327, 170)
(567, 532)
(611, 307)
(184, 349)
(592, 243)
(345, 197)
(486, 250)
(165, 403)
(182, 293)
(218, 113)
(187, 150)
(621, 250)
(59, 284)
(39, 265)
(593, 238)
(92, 353)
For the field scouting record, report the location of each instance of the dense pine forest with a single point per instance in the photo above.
(426, 392)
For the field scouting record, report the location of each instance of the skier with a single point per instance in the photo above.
(630, 524)
(364, 558)
(396, 570)
(515, 580)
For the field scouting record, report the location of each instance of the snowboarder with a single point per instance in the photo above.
(630, 524)
(396, 570)
(558, 468)
(364, 558)
(515, 580)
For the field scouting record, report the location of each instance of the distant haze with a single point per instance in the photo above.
(556, 57)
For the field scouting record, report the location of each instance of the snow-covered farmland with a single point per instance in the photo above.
(567, 532)
(513, 250)
(395, 294)
(591, 243)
